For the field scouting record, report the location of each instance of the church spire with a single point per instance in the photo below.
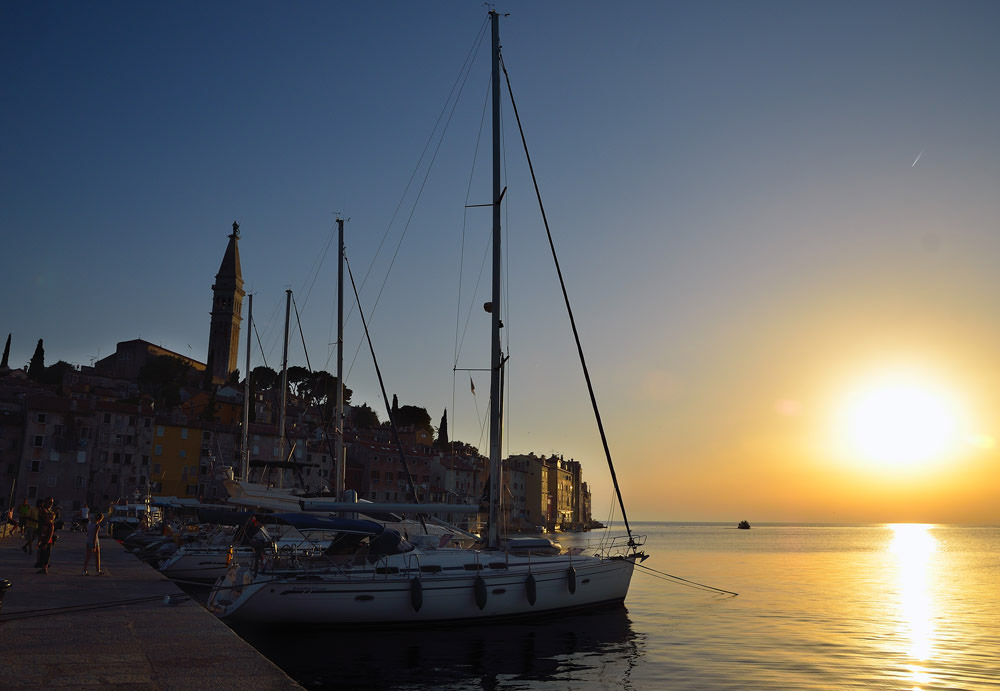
(227, 311)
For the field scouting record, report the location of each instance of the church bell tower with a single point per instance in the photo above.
(227, 312)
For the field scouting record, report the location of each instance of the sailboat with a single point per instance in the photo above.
(371, 575)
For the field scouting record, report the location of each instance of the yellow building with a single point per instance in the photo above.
(176, 459)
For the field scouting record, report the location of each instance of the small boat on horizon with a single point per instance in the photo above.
(744, 525)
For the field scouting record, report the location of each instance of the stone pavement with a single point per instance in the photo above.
(67, 630)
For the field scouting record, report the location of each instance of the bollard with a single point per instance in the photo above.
(5, 585)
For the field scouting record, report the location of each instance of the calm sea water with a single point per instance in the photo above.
(819, 607)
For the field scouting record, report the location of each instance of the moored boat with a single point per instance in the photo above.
(372, 575)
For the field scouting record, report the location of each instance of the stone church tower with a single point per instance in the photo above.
(227, 312)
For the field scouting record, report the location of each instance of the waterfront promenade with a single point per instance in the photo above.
(67, 630)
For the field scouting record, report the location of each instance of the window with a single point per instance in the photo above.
(53, 455)
(145, 461)
(156, 468)
(116, 457)
(79, 482)
(128, 459)
(184, 433)
(114, 479)
(57, 430)
(388, 496)
(32, 492)
(36, 466)
(191, 489)
(147, 422)
(131, 420)
(182, 453)
(107, 418)
(40, 418)
(206, 436)
(39, 440)
(159, 430)
(142, 480)
(157, 450)
(85, 432)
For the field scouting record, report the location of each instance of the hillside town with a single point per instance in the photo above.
(146, 422)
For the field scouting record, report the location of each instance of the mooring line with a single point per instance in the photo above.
(693, 584)
(70, 609)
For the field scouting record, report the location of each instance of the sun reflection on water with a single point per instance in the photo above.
(912, 545)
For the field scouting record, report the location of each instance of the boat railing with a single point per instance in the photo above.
(620, 545)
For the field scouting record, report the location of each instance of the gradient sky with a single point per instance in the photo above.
(760, 207)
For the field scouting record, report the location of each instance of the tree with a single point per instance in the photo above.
(363, 417)
(54, 375)
(162, 377)
(263, 378)
(36, 366)
(298, 378)
(210, 413)
(206, 382)
(413, 416)
(234, 378)
(442, 438)
(395, 406)
(6, 354)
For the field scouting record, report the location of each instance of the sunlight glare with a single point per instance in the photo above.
(901, 419)
(913, 545)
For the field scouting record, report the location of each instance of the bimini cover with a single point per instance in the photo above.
(223, 517)
(306, 521)
(387, 543)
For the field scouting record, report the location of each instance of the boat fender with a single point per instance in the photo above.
(531, 589)
(480, 589)
(229, 555)
(571, 577)
(417, 594)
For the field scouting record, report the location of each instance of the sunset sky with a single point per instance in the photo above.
(779, 222)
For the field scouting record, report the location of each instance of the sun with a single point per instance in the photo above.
(900, 419)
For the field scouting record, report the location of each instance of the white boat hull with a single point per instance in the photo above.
(206, 564)
(412, 596)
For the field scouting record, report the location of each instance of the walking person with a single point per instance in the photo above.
(22, 515)
(46, 535)
(93, 543)
(31, 527)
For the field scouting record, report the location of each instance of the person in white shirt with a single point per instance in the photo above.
(93, 543)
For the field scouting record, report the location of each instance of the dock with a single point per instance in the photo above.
(130, 629)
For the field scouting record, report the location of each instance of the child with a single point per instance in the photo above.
(93, 543)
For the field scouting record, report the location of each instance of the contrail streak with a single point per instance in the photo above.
(916, 159)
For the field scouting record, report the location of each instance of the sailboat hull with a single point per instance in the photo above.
(489, 589)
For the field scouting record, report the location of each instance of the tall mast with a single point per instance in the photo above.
(496, 360)
(339, 464)
(284, 388)
(245, 448)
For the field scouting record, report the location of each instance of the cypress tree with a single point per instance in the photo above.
(36, 366)
(442, 439)
(6, 354)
